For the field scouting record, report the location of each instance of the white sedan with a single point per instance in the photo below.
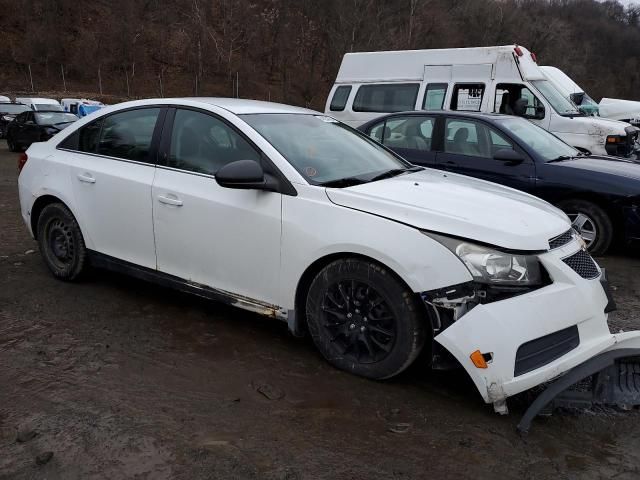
(287, 212)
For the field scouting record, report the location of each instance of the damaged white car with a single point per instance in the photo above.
(290, 213)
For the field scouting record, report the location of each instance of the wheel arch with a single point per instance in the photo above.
(39, 205)
(299, 324)
(607, 205)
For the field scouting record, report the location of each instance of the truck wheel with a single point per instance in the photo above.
(590, 221)
(61, 242)
(364, 320)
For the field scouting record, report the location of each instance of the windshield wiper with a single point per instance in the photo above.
(343, 182)
(561, 158)
(394, 172)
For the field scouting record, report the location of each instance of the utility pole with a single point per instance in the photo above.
(64, 82)
(100, 78)
(31, 78)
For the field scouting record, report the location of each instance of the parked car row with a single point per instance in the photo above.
(41, 126)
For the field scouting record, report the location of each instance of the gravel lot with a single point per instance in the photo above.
(116, 378)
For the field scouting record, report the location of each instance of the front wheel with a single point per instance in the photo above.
(61, 242)
(590, 221)
(364, 320)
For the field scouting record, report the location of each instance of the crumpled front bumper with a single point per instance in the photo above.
(502, 327)
(615, 383)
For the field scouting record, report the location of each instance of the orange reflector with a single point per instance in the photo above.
(478, 359)
(612, 139)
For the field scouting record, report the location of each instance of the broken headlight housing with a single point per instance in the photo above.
(490, 266)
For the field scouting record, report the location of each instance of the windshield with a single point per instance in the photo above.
(545, 144)
(13, 109)
(322, 149)
(47, 106)
(53, 118)
(559, 103)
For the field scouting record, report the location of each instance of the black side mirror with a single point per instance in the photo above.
(520, 107)
(245, 174)
(508, 155)
(577, 98)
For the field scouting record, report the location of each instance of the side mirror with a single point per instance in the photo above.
(520, 107)
(577, 98)
(539, 115)
(508, 155)
(246, 175)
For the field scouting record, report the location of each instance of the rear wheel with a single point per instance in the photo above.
(13, 146)
(61, 242)
(364, 320)
(592, 222)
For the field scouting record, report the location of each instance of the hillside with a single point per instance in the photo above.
(290, 50)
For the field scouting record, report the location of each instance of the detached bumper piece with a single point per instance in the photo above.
(614, 382)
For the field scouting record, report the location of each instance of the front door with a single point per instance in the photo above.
(469, 147)
(227, 239)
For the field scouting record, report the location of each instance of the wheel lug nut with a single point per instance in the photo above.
(357, 311)
(349, 315)
(352, 326)
(363, 328)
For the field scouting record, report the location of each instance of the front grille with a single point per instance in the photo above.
(544, 350)
(561, 240)
(582, 263)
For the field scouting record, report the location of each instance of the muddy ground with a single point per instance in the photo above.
(122, 379)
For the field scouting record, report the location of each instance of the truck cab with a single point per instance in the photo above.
(504, 79)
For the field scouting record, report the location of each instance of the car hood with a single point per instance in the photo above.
(459, 206)
(620, 173)
(591, 125)
(616, 108)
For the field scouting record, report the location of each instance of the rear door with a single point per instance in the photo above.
(469, 147)
(112, 165)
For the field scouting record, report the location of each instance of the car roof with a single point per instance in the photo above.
(457, 113)
(238, 106)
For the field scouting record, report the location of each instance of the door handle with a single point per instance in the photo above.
(86, 177)
(170, 200)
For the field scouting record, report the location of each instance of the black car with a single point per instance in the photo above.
(8, 112)
(29, 127)
(601, 195)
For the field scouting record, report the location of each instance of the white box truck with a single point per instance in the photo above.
(504, 79)
(613, 108)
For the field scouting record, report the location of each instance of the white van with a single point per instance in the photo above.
(503, 79)
(40, 103)
(614, 108)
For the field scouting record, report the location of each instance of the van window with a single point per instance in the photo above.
(467, 97)
(508, 93)
(340, 97)
(386, 98)
(434, 96)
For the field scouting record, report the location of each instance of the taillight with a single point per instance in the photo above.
(518, 51)
(21, 161)
(534, 57)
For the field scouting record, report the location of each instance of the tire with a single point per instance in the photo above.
(61, 242)
(592, 222)
(12, 145)
(376, 332)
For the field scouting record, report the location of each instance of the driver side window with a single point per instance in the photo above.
(202, 143)
(507, 97)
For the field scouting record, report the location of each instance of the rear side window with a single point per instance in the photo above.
(467, 97)
(434, 96)
(386, 98)
(128, 135)
(339, 100)
(413, 132)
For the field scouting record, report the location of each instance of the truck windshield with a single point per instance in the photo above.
(325, 151)
(13, 108)
(47, 106)
(545, 144)
(54, 118)
(559, 103)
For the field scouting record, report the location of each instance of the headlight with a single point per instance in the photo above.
(7, 118)
(491, 266)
